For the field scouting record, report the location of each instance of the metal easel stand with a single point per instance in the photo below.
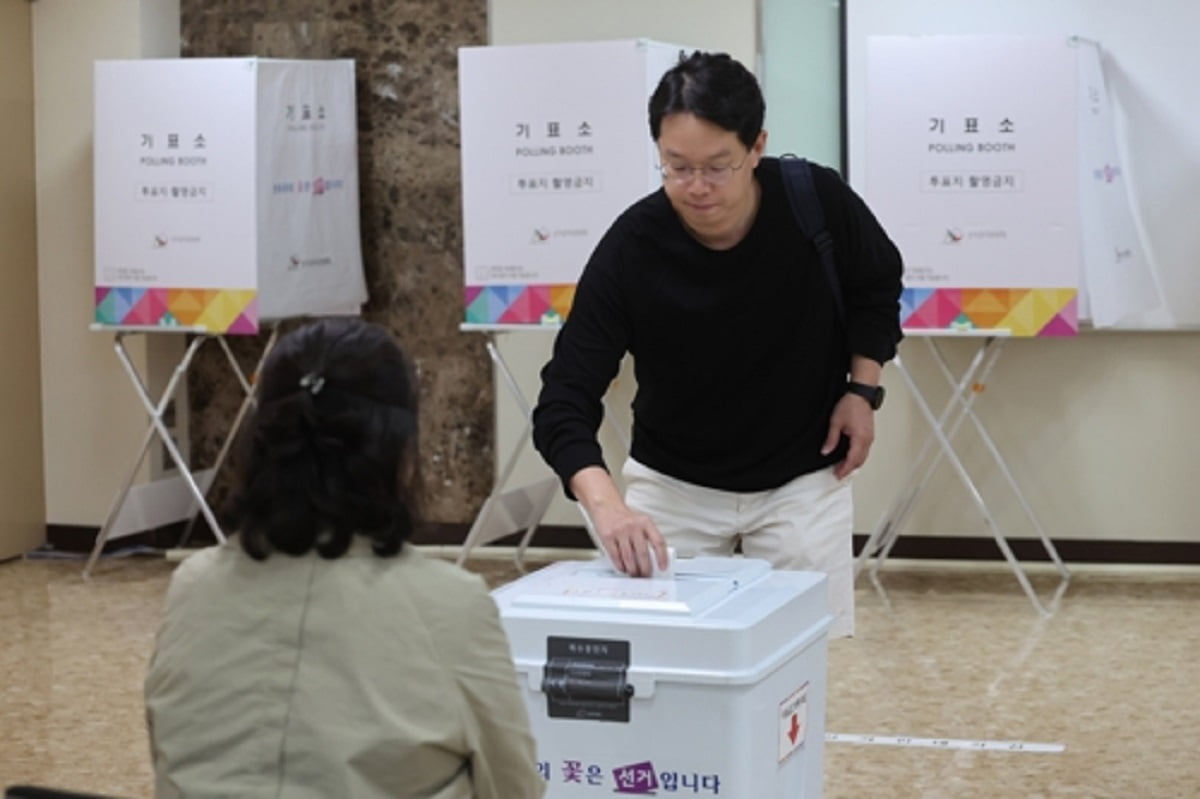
(156, 427)
(249, 400)
(938, 444)
(506, 511)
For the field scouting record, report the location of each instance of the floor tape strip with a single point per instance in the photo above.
(944, 743)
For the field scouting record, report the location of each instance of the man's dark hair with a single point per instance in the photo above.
(330, 452)
(714, 87)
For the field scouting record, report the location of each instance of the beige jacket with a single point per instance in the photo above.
(358, 677)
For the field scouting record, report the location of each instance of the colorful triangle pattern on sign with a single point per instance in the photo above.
(232, 311)
(518, 305)
(1015, 311)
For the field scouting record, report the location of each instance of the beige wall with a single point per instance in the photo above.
(1101, 431)
(93, 423)
(728, 25)
(22, 505)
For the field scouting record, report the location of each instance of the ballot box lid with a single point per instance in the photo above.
(717, 615)
(594, 587)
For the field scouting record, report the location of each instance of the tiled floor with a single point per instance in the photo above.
(1114, 675)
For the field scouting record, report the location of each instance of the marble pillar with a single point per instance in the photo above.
(406, 73)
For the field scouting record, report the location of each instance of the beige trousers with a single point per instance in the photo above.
(805, 525)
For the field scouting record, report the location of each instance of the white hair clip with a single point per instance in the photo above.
(313, 382)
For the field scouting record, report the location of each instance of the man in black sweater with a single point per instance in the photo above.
(755, 398)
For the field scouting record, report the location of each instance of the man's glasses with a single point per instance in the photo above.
(712, 175)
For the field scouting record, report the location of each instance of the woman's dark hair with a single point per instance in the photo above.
(714, 87)
(330, 451)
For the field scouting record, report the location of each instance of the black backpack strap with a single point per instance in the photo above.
(806, 207)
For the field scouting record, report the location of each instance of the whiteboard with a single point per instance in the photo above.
(1150, 62)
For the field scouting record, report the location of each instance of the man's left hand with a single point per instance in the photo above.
(853, 418)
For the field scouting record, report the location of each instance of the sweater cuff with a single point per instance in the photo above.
(574, 457)
(878, 347)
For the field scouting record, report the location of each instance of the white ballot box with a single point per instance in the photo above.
(708, 684)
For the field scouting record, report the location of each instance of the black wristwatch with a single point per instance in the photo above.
(872, 394)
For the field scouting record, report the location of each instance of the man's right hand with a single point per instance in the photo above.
(628, 537)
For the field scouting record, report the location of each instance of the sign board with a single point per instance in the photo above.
(555, 145)
(975, 177)
(226, 192)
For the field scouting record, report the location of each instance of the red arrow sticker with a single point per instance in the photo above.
(793, 720)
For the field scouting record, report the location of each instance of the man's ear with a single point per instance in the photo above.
(760, 146)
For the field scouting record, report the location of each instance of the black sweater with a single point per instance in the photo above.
(739, 355)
